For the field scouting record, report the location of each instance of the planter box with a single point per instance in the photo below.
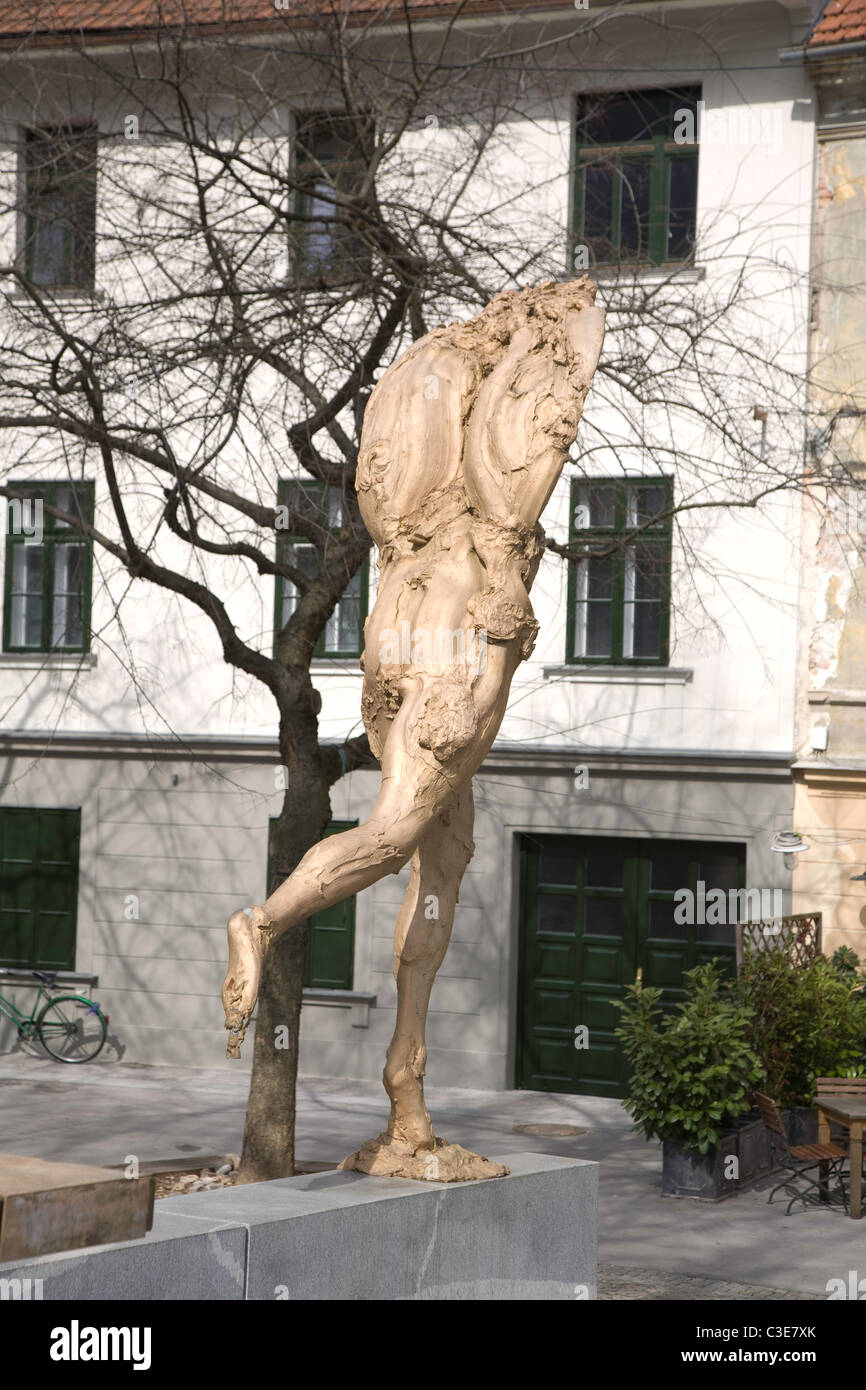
(802, 1124)
(689, 1174)
(753, 1150)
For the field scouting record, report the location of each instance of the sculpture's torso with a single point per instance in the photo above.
(462, 444)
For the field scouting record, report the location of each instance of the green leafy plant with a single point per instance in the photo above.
(846, 964)
(805, 1021)
(693, 1069)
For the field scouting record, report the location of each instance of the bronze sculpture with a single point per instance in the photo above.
(464, 439)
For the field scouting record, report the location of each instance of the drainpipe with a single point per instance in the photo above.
(826, 50)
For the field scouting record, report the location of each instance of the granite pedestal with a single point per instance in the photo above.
(341, 1236)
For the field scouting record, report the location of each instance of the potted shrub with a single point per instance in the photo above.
(693, 1071)
(804, 1021)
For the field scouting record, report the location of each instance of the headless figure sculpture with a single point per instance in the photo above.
(464, 439)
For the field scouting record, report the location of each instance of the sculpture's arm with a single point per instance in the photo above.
(409, 478)
(526, 415)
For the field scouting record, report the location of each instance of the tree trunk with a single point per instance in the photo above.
(269, 1128)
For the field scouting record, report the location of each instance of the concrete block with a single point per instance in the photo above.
(347, 1236)
(183, 1257)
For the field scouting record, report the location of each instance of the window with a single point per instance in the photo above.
(330, 165)
(344, 630)
(59, 221)
(636, 185)
(38, 887)
(48, 570)
(331, 943)
(619, 588)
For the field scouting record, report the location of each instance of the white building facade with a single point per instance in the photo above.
(648, 742)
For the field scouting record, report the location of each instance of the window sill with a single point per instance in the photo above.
(338, 665)
(357, 1000)
(50, 661)
(647, 274)
(834, 695)
(57, 296)
(23, 975)
(621, 675)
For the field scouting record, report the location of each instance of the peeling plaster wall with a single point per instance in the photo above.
(830, 787)
(837, 651)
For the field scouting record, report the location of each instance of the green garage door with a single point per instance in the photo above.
(593, 912)
(38, 887)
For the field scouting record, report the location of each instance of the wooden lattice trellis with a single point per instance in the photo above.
(798, 936)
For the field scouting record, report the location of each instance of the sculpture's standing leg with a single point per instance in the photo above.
(421, 939)
(408, 1148)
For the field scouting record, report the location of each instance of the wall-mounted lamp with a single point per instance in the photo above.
(788, 843)
(858, 878)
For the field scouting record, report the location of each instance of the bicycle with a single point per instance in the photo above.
(71, 1027)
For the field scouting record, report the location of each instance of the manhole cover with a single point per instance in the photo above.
(548, 1129)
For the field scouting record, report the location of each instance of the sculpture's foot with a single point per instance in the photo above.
(387, 1157)
(250, 933)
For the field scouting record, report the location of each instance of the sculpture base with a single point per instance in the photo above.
(386, 1157)
(347, 1236)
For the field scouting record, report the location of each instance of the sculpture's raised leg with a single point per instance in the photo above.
(407, 1148)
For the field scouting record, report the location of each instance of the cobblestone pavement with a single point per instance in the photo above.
(628, 1281)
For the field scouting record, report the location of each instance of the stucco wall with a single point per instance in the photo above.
(191, 852)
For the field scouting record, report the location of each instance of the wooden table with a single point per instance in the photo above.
(850, 1111)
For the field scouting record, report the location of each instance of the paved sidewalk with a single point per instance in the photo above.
(650, 1247)
(654, 1285)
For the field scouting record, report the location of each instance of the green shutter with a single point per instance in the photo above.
(331, 945)
(38, 887)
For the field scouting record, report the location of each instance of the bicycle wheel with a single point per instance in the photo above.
(72, 1028)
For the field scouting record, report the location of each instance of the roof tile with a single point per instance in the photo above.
(43, 19)
(843, 21)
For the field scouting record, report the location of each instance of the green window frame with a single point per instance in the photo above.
(327, 248)
(343, 637)
(635, 187)
(39, 861)
(59, 214)
(49, 569)
(619, 581)
(330, 962)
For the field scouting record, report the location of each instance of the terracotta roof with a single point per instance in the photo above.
(48, 19)
(842, 21)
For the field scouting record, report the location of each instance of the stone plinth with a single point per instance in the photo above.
(341, 1236)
